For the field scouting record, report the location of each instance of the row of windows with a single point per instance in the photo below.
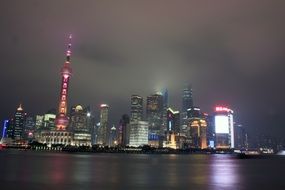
(57, 134)
(58, 140)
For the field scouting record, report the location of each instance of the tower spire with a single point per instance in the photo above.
(68, 51)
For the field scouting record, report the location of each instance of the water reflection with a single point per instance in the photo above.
(224, 172)
(38, 170)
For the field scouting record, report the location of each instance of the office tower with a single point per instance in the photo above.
(154, 114)
(136, 108)
(78, 125)
(48, 121)
(187, 98)
(241, 138)
(164, 114)
(66, 72)
(102, 137)
(9, 130)
(113, 137)
(138, 133)
(16, 127)
(124, 131)
(211, 136)
(91, 124)
(39, 122)
(224, 128)
(187, 102)
(29, 127)
(173, 121)
(5, 127)
(197, 128)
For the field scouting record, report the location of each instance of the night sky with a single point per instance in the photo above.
(232, 52)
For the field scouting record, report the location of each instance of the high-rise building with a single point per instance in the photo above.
(241, 138)
(187, 98)
(16, 127)
(66, 72)
(49, 121)
(78, 125)
(197, 128)
(102, 136)
(138, 133)
(113, 137)
(136, 108)
(5, 127)
(187, 102)
(39, 122)
(154, 114)
(124, 131)
(211, 135)
(29, 128)
(173, 121)
(224, 127)
(164, 114)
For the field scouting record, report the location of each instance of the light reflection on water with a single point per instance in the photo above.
(38, 170)
(224, 172)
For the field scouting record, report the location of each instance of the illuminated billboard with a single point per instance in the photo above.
(222, 124)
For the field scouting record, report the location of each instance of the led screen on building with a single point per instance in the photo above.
(222, 124)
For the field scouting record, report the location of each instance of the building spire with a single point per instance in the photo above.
(68, 51)
(20, 108)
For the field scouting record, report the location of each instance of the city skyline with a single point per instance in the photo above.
(110, 65)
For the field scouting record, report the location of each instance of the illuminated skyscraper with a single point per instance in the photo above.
(124, 130)
(187, 103)
(187, 98)
(78, 125)
(224, 128)
(154, 114)
(29, 127)
(172, 133)
(197, 128)
(138, 133)
(113, 137)
(136, 108)
(16, 127)
(102, 137)
(5, 127)
(66, 72)
(164, 114)
(49, 121)
(173, 121)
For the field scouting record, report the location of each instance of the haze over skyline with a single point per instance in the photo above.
(231, 52)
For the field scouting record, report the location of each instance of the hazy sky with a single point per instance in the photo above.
(232, 52)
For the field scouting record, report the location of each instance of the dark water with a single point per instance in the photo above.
(38, 170)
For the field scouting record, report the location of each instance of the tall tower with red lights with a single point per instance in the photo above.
(66, 72)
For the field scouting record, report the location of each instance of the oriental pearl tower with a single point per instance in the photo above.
(62, 120)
